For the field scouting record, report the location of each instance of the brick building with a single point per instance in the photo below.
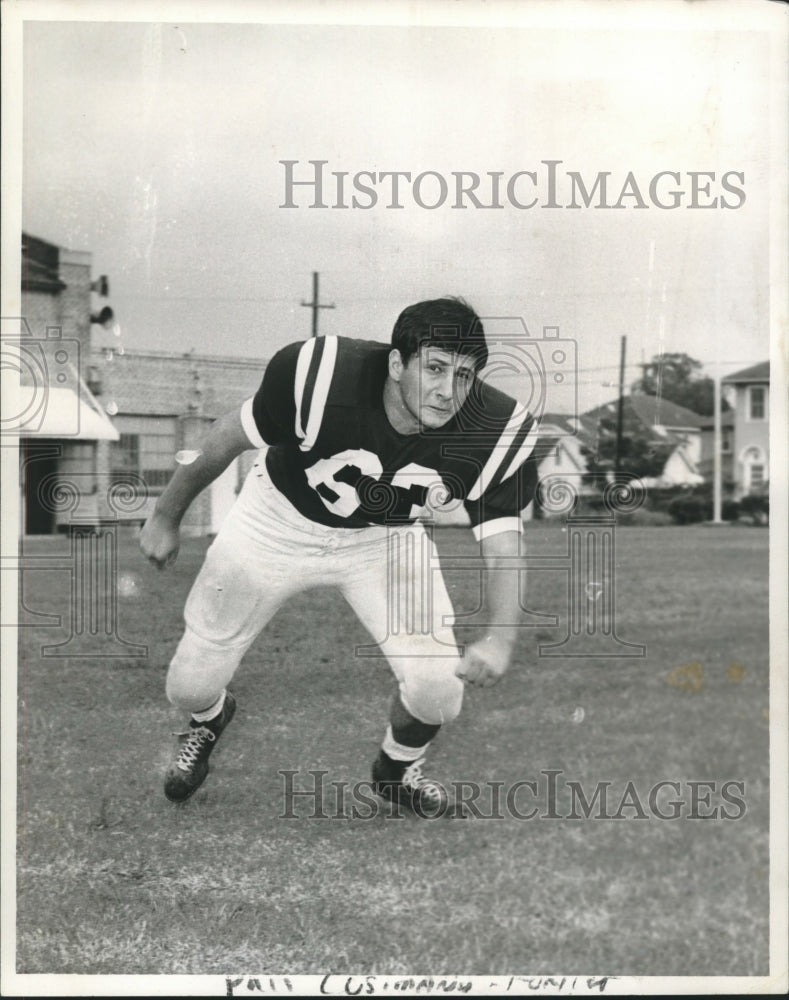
(59, 423)
(162, 404)
(100, 425)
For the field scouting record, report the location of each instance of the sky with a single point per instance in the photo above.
(158, 147)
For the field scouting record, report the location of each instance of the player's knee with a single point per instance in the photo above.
(432, 696)
(198, 672)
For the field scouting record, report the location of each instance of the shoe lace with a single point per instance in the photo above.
(190, 749)
(418, 782)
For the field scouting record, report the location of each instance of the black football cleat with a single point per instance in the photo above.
(190, 768)
(403, 783)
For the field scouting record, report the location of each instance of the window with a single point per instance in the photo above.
(146, 448)
(726, 440)
(757, 403)
(126, 455)
(79, 459)
(757, 478)
(755, 469)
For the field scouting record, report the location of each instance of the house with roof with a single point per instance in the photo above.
(560, 458)
(745, 432)
(569, 442)
(672, 429)
(562, 437)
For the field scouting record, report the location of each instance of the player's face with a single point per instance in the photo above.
(432, 387)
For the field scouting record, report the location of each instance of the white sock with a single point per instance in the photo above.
(397, 751)
(213, 711)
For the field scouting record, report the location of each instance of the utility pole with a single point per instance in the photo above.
(717, 440)
(315, 305)
(717, 434)
(620, 409)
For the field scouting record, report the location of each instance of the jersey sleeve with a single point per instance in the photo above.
(269, 417)
(499, 507)
(289, 406)
(507, 477)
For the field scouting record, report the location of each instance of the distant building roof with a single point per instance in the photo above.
(647, 417)
(756, 373)
(650, 411)
(656, 410)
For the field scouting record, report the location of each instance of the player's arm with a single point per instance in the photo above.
(225, 440)
(486, 660)
(497, 525)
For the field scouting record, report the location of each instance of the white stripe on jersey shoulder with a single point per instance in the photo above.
(500, 450)
(302, 367)
(524, 451)
(320, 392)
(249, 425)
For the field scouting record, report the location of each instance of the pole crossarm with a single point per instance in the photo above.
(316, 304)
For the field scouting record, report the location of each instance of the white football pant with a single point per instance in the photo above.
(266, 551)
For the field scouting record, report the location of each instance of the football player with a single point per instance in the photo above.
(358, 440)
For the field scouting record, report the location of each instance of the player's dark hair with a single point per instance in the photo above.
(448, 323)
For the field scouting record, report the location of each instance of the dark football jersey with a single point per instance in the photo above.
(334, 454)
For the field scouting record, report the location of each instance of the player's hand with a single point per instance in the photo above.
(160, 540)
(485, 662)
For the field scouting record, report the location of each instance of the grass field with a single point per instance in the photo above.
(114, 879)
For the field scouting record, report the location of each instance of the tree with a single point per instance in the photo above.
(676, 377)
(641, 454)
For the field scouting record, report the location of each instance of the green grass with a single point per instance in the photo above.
(114, 879)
